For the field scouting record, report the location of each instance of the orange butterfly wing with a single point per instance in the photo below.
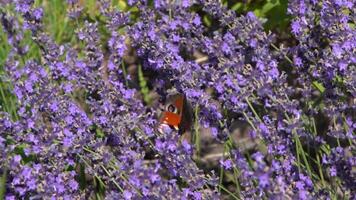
(171, 119)
(174, 119)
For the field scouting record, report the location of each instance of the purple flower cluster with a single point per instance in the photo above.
(82, 128)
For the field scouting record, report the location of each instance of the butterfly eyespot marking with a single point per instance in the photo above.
(171, 108)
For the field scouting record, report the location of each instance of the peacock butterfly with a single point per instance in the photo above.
(177, 115)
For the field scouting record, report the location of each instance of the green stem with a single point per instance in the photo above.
(4, 98)
(137, 190)
(125, 73)
(249, 121)
(236, 172)
(320, 170)
(222, 169)
(109, 174)
(285, 56)
(196, 130)
(299, 148)
(100, 181)
(227, 191)
(314, 127)
(253, 110)
(221, 177)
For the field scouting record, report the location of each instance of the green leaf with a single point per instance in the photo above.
(319, 86)
(2, 185)
(99, 133)
(237, 6)
(207, 20)
(143, 85)
(268, 7)
(81, 176)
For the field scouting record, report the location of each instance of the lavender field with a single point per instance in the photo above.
(177, 99)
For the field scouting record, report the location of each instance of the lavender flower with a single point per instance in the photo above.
(83, 129)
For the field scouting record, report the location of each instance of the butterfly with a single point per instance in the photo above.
(176, 114)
